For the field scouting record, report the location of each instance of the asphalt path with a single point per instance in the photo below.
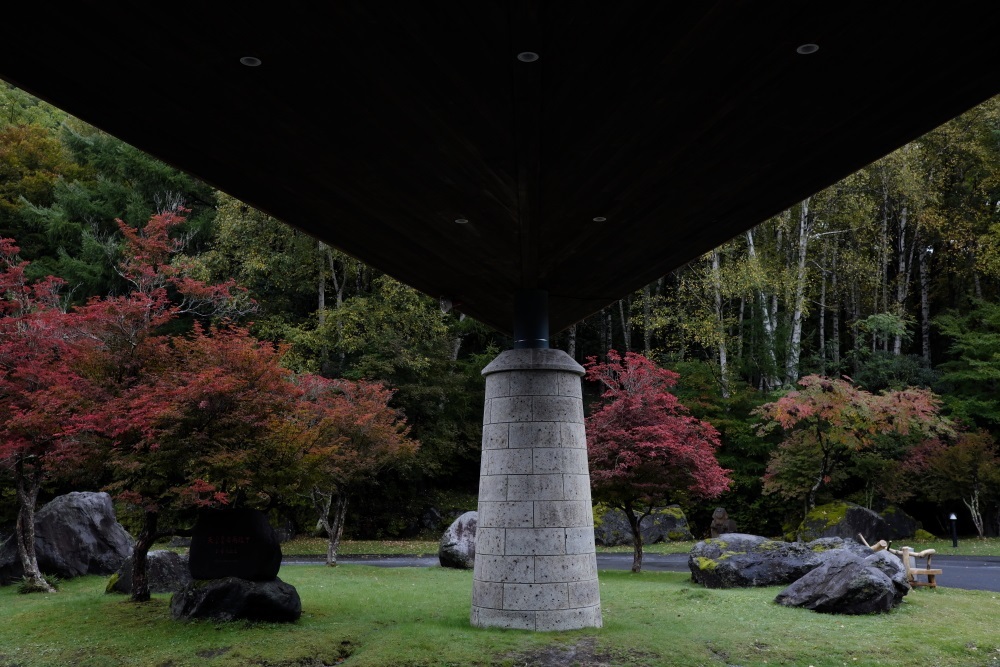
(968, 572)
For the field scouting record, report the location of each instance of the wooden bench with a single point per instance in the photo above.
(909, 558)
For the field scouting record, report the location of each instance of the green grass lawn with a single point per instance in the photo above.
(361, 615)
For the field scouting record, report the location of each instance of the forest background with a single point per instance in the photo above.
(888, 279)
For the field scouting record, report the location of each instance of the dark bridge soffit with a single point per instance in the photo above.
(645, 134)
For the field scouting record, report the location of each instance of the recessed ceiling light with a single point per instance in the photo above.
(250, 61)
(461, 221)
(600, 218)
(527, 56)
(806, 49)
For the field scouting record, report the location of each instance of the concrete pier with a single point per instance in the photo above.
(536, 566)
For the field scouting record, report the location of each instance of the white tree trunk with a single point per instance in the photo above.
(972, 503)
(925, 305)
(798, 307)
(904, 271)
(822, 315)
(835, 316)
(647, 331)
(769, 379)
(626, 320)
(720, 324)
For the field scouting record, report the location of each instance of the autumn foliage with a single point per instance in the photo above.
(829, 424)
(42, 397)
(965, 470)
(644, 447)
(349, 433)
(173, 405)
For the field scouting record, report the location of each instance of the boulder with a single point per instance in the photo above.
(78, 534)
(234, 543)
(232, 598)
(739, 560)
(901, 525)
(843, 519)
(10, 561)
(664, 524)
(458, 544)
(166, 572)
(844, 583)
(892, 566)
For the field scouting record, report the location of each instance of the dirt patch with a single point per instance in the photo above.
(584, 653)
(214, 652)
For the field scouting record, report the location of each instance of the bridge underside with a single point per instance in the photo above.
(644, 134)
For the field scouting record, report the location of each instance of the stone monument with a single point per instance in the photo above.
(234, 560)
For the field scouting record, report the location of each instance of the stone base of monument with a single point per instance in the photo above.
(232, 598)
(234, 560)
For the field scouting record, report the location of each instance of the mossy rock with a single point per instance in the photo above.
(742, 560)
(663, 524)
(847, 520)
(901, 524)
(705, 563)
(923, 536)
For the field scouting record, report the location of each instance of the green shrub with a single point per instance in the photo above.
(25, 586)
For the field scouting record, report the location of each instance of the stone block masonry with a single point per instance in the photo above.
(536, 566)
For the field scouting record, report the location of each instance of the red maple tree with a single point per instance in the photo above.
(182, 413)
(349, 433)
(42, 397)
(195, 429)
(644, 447)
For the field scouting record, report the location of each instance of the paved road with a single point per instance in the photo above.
(969, 572)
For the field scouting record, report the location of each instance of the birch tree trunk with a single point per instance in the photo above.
(925, 305)
(883, 255)
(798, 306)
(571, 342)
(769, 379)
(835, 316)
(647, 331)
(626, 322)
(607, 328)
(739, 328)
(822, 314)
(321, 291)
(904, 271)
(338, 291)
(720, 325)
(456, 344)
